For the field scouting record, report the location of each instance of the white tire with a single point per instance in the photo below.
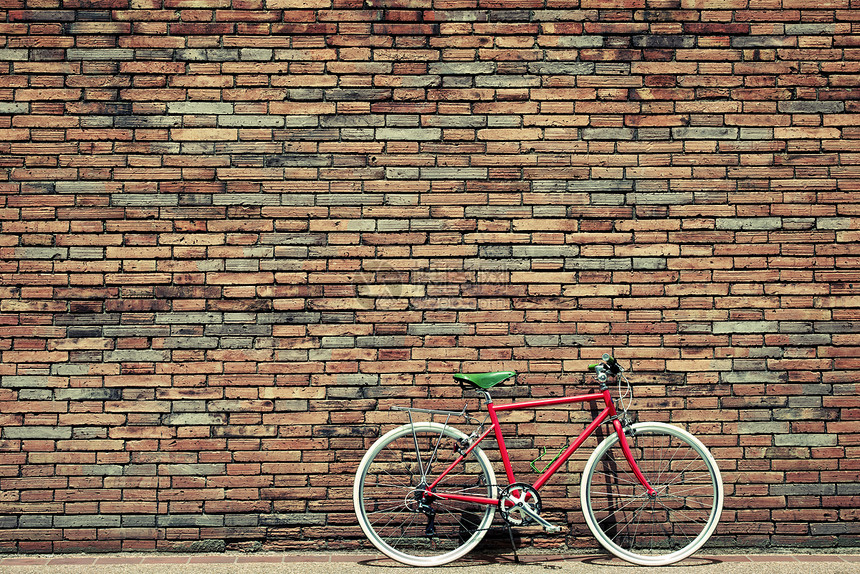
(665, 528)
(386, 493)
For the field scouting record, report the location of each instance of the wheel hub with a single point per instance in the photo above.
(416, 500)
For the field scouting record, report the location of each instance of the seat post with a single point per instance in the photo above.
(487, 396)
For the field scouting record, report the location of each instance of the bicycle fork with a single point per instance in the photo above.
(628, 455)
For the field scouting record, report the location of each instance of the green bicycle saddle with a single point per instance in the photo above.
(485, 380)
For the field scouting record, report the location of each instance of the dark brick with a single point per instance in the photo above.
(232, 236)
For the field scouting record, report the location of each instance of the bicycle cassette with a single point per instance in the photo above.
(514, 498)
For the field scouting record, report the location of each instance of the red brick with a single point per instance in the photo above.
(273, 288)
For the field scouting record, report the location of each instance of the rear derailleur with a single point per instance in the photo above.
(422, 505)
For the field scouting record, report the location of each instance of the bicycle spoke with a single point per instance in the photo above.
(388, 509)
(633, 481)
(635, 515)
(458, 520)
(384, 526)
(668, 462)
(620, 508)
(404, 529)
(401, 487)
(673, 522)
(670, 523)
(680, 474)
(681, 513)
(597, 492)
(395, 515)
(678, 496)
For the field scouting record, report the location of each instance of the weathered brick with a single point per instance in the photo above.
(36, 432)
(811, 440)
(87, 521)
(136, 355)
(143, 199)
(193, 419)
(809, 29)
(250, 121)
(764, 428)
(305, 519)
(200, 108)
(192, 469)
(13, 108)
(233, 236)
(14, 54)
(607, 134)
(190, 520)
(705, 133)
(40, 253)
(745, 327)
(665, 198)
(462, 68)
(453, 172)
(32, 381)
(108, 54)
(409, 134)
(811, 107)
(761, 41)
(750, 223)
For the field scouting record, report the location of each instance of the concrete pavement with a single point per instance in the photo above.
(288, 563)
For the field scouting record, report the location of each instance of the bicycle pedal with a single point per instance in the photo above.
(552, 528)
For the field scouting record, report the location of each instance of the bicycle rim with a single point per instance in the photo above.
(387, 507)
(660, 530)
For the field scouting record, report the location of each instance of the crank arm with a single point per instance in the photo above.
(551, 528)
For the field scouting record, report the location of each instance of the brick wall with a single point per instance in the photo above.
(235, 233)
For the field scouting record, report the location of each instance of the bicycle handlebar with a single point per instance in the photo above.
(608, 367)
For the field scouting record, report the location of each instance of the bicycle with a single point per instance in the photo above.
(425, 494)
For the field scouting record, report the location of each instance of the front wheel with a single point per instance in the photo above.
(389, 501)
(662, 528)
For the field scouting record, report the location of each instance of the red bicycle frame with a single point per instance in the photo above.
(607, 413)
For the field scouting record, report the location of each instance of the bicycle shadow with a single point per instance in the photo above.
(549, 561)
(691, 562)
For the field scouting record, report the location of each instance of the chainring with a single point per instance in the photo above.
(513, 498)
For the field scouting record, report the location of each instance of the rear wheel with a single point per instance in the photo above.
(668, 526)
(407, 526)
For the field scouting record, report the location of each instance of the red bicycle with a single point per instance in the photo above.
(425, 493)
